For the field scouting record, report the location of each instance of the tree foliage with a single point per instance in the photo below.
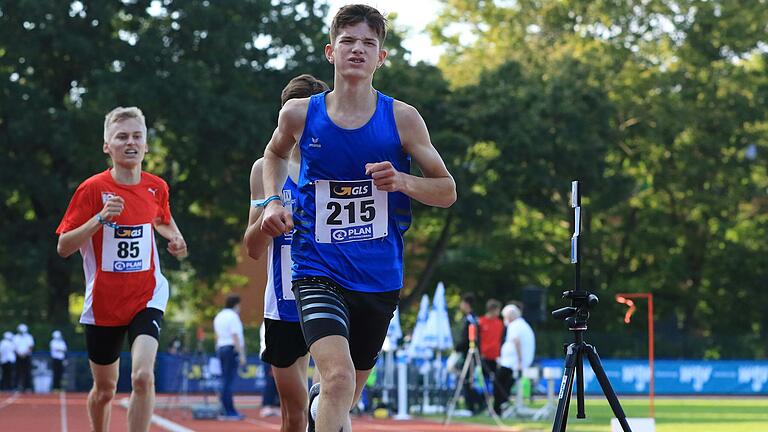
(670, 144)
(208, 78)
(658, 107)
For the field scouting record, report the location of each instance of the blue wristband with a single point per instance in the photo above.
(265, 201)
(106, 222)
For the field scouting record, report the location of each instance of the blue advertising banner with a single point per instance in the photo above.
(731, 377)
(200, 374)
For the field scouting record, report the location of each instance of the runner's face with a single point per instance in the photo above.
(127, 142)
(356, 51)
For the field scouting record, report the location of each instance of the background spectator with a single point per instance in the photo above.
(7, 361)
(491, 335)
(176, 346)
(58, 354)
(517, 353)
(472, 398)
(24, 343)
(230, 348)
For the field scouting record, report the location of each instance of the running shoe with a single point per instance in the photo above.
(314, 392)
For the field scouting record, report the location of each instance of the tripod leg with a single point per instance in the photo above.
(580, 383)
(488, 403)
(457, 392)
(613, 401)
(566, 386)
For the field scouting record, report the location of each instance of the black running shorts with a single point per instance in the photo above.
(327, 309)
(284, 343)
(105, 343)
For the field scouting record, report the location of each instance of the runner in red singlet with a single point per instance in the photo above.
(111, 220)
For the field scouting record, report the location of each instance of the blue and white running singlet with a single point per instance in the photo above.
(346, 229)
(279, 302)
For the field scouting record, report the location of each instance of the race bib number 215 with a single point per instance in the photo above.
(348, 211)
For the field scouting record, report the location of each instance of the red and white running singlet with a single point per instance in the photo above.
(121, 265)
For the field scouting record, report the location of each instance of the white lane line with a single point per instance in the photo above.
(9, 400)
(262, 424)
(169, 425)
(63, 410)
(161, 422)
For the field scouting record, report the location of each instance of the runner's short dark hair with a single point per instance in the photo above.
(350, 15)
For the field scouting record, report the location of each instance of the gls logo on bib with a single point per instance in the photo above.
(129, 232)
(349, 190)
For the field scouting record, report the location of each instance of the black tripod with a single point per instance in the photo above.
(576, 317)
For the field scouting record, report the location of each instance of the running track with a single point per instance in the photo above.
(65, 412)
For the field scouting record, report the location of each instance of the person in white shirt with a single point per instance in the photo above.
(230, 348)
(58, 353)
(517, 353)
(24, 343)
(7, 361)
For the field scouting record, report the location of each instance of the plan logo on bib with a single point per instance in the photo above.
(127, 266)
(362, 232)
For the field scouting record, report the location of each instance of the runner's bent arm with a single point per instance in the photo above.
(436, 187)
(70, 241)
(290, 123)
(176, 244)
(254, 240)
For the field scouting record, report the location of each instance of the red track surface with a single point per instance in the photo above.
(67, 413)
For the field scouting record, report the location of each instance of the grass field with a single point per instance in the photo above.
(672, 415)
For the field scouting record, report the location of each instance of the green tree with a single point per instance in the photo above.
(682, 175)
(208, 77)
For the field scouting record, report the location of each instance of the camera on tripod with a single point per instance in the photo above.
(577, 314)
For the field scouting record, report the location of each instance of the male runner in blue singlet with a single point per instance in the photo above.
(353, 207)
(285, 348)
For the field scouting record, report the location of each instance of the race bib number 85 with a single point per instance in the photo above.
(349, 211)
(126, 248)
